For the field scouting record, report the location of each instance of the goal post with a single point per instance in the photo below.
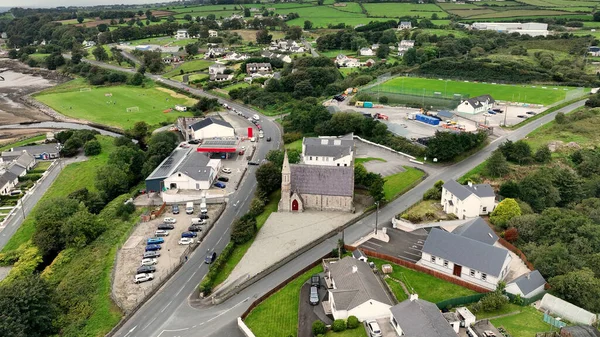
(85, 89)
(133, 109)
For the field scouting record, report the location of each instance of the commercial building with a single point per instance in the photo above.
(527, 28)
(211, 128)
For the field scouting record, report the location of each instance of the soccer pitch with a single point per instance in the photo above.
(109, 105)
(523, 93)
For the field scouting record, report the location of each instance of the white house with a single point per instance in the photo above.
(355, 291)
(221, 77)
(527, 285)
(366, 52)
(527, 28)
(258, 68)
(348, 62)
(415, 317)
(213, 33)
(476, 104)
(8, 180)
(216, 68)
(328, 151)
(211, 128)
(182, 34)
(359, 255)
(215, 52)
(233, 56)
(88, 44)
(470, 260)
(405, 25)
(39, 151)
(594, 51)
(405, 45)
(196, 172)
(467, 201)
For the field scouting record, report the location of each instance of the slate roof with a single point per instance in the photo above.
(328, 147)
(357, 254)
(527, 285)
(464, 191)
(37, 149)
(594, 49)
(322, 180)
(477, 229)
(194, 166)
(466, 252)
(209, 121)
(7, 177)
(25, 160)
(582, 331)
(355, 288)
(445, 114)
(16, 169)
(419, 318)
(478, 101)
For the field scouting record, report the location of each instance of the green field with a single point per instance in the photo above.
(394, 10)
(399, 183)
(199, 9)
(353, 7)
(26, 141)
(525, 324)
(321, 16)
(295, 145)
(188, 67)
(236, 86)
(94, 106)
(502, 92)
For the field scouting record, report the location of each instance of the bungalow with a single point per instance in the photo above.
(258, 67)
(476, 104)
(348, 62)
(527, 285)
(404, 25)
(353, 290)
(212, 33)
(233, 56)
(22, 164)
(579, 331)
(366, 52)
(88, 44)
(471, 260)
(221, 77)
(215, 52)
(405, 45)
(216, 68)
(477, 229)
(8, 180)
(415, 317)
(39, 152)
(467, 201)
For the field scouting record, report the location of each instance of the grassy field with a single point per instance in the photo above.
(525, 324)
(502, 92)
(74, 176)
(353, 7)
(583, 132)
(428, 287)
(94, 106)
(519, 13)
(188, 67)
(236, 86)
(22, 142)
(191, 77)
(321, 16)
(199, 9)
(295, 145)
(399, 183)
(278, 315)
(394, 10)
(444, 32)
(334, 53)
(38, 56)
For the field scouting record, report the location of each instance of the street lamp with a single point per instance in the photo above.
(58, 147)
(376, 216)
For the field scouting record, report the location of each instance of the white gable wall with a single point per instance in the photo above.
(212, 131)
(327, 161)
(470, 207)
(184, 182)
(515, 290)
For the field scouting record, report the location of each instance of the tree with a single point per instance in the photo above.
(71, 147)
(137, 79)
(294, 33)
(543, 155)
(517, 152)
(191, 49)
(579, 287)
(493, 301)
(49, 219)
(307, 25)
(247, 13)
(139, 132)
(243, 229)
(100, 53)
(511, 235)
(92, 148)
(353, 322)
(116, 54)
(263, 37)
(81, 228)
(383, 51)
(112, 181)
(506, 210)
(268, 177)
(434, 193)
(76, 57)
(80, 19)
(318, 328)
(91, 200)
(376, 188)
(303, 89)
(510, 189)
(103, 27)
(537, 190)
(560, 118)
(496, 165)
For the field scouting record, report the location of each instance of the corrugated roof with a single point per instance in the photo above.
(529, 282)
(209, 121)
(466, 252)
(328, 147)
(582, 331)
(419, 318)
(477, 229)
(322, 180)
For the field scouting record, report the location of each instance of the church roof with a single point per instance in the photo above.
(322, 180)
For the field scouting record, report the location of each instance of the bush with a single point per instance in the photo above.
(353, 322)
(319, 328)
(92, 148)
(125, 209)
(290, 137)
(338, 325)
(384, 99)
(434, 193)
(243, 229)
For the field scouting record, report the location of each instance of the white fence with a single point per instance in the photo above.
(244, 328)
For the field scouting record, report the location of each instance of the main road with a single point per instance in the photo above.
(170, 314)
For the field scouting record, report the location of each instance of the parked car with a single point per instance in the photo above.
(314, 296)
(531, 113)
(268, 139)
(255, 163)
(522, 116)
(186, 241)
(153, 247)
(373, 328)
(195, 228)
(189, 234)
(226, 170)
(148, 262)
(139, 278)
(165, 226)
(175, 209)
(194, 141)
(155, 241)
(219, 184)
(170, 220)
(225, 179)
(151, 254)
(210, 257)
(242, 151)
(252, 139)
(498, 110)
(315, 281)
(491, 112)
(203, 216)
(161, 232)
(146, 269)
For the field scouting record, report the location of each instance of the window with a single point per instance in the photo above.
(483, 276)
(432, 259)
(446, 263)
(338, 164)
(345, 164)
(472, 273)
(311, 158)
(484, 209)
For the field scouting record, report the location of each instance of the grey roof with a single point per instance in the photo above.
(322, 180)
(451, 316)
(419, 318)
(465, 251)
(479, 100)
(37, 149)
(355, 288)
(194, 166)
(477, 229)
(529, 282)
(357, 253)
(170, 164)
(445, 114)
(217, 65)
(25, 160)
(403, 23)
(582, 331)
(16, 169)
(464, 191)
(7, 177)
(328, 147)
(209, 121)
(594, 49)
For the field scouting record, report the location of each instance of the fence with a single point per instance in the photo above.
(517, 251)
(459, 301)
(527, 301)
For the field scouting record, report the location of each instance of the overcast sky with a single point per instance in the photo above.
(54, 3)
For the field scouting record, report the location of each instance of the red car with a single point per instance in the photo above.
(259, 127)
(242, 152)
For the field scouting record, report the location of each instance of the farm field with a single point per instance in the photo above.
(444, 32)
(560, 3)
(236, 86)
(502, 92)
(583, 132)
(38, 56)
(218, 14)
(519, 13)
(350, 7)
(392, 10)
(322, 16)
(96, 107)
(188, 67)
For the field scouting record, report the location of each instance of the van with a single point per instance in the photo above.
(197, 221)
(255, 117)
(189, 208)
(203, 208)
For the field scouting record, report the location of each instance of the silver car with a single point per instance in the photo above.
(314, 296)
(373, 328)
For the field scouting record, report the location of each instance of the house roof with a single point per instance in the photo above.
(170, 164)
(25, 160)
(328, 147)
(464, 191)
(404, 23)
(207, 122)
(594, 49)
(37, 149)
(217, 65)
(259, 65)
(582, 331)
(529, 282)
(419, 318)
(194, 166)
(465, 251)
(480, 100)
(7, 177)
(477, 229)
(355, 286)
(16, 169)
(357, 253)
(322, 180)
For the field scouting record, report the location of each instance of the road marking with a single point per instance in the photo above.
(412, 254)
(163, 309)
(407, 258)
(369, 247)
(130, 331)
(373, 243)
(418, 250)
(224, 312)
(172, 331)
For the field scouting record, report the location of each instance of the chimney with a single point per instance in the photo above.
(470, 183)
(414, 297)
(354, 269)
(528, 276)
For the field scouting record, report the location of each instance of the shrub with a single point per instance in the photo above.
(319, 328)
(353, 322)
(511, 235)
(434, 193)
(125, 209)
(338, 325)
(290, 137)
(92, 148)
(384, 99)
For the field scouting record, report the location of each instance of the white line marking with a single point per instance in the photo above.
(412, 254)
(130, 331)
(224, 312)
(374, 244)
(163, 309)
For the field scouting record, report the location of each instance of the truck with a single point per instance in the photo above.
(359, 104)
(189, 208)
(367, 104)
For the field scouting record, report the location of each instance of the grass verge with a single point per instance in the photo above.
(23, 142)
(401, 182)
(358, 332)
(295, 145)
(368, 159)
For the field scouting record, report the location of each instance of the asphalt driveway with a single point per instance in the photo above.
(308, 313)
(404, 245)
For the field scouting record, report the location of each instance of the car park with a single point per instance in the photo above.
(373, 328)
(498, 110)
(161, 232)
(151, 254)
(194, 228)
(197, 221)
(153, 247)
(219, 184)
(148, 262)
(155, 241)
(189, 208)
(491, 112)
(224, 179)
(139, 278)
(226, 170)
(186, 241)
(175, 209)
(315, 281)
(165, 226)
(210, 257)
(170, 220)
(146, 269)
(314, 296)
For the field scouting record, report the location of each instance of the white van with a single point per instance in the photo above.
(256, 118)
(189, 208)
(197, 221)
(203, 208)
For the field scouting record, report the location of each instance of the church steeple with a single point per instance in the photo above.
(285, 173)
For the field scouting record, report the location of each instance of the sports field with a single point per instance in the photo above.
(98, 106)
(504, 92)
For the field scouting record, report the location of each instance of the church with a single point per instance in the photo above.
(316, 187)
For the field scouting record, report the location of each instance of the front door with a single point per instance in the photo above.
(457, 270)
(294, 205)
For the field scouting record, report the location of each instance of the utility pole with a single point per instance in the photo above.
(505, 113)
(376, 216)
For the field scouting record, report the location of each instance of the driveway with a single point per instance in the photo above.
(393, 163)
(308, 313)
(405, 245)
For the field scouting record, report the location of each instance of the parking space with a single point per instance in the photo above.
(385, 326)
(393, 162)
(126, 291)
(405, 245)
(511, 115)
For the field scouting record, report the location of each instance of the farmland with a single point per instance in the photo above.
(96, 106)
(521, 93)
(394, 10)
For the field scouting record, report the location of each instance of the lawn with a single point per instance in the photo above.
(428, 287)
(74, 176)
(503, 92)
(188, 67)
(526, 324)
(295, 145)
(191, 78)
(394, 10)
(334, 53)
(278, 315)
(368, 159)
(358, 332)
(507, 309)
(96, 107)
(236, 86)
(23, 142)
(38, 56)
(399, 183)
